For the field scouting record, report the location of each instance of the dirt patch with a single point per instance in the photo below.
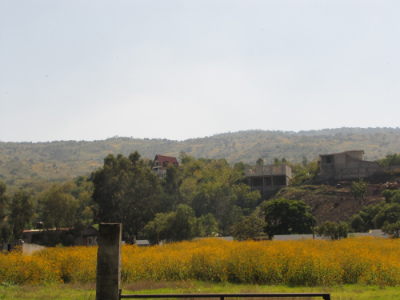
(333, 202)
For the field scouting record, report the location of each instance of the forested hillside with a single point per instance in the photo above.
(25, 163)
(202, 197)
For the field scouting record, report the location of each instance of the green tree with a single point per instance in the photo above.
(59, 207)
(302, 174)
(213, 186)
(333, 230)
(359, 189)
(174, 226)
(240, 167)
(364, 219)
(390, 160)
(210, 186)
(21, 212)
(157, 230)
(209, 225)
(3, 201)
(391, 196)
(126, 191)
(260, 162)
(184, 223)
(172, 180)
(248, 228)
(388, 213)
(304, 161)
(393, 230)
(86, 208)
(189, 189)
(245, 198)
(184, 158)
(357, 223)
(5, 230)
(285, 216)
(375, 216)
(86, 216)
(171, 183)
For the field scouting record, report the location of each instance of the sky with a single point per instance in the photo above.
(180, 69)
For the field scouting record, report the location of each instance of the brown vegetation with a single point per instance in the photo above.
(334, 202)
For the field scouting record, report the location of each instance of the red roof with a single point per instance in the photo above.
(165, 161)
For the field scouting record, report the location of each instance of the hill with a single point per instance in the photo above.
(328, 202)
(26, 162)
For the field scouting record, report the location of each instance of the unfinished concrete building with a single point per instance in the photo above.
(268, 178)
(347, 165)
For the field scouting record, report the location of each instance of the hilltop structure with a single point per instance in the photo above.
(347, 165)
(161, 163)
(268, 178)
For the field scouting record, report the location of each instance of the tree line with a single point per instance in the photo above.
(202, 197)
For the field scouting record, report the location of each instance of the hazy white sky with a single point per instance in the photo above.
(93, 69)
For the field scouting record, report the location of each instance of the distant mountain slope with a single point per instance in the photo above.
(61, 160)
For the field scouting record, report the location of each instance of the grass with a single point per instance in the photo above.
(48, 292)
(88, 292)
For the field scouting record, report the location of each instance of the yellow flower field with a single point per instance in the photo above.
(308, 262)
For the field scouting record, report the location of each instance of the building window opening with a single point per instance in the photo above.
(329, 159)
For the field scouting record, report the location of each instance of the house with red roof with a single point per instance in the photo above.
(161, 163)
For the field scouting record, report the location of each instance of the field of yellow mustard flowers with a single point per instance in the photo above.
(308, 263)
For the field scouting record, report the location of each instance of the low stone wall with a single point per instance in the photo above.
(296, 237)
(351, 173)
(30, 248)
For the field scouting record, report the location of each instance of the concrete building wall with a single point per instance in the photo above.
(255, 171)
(268, 178)
(358, 154)
(347, 165)
(339, 159)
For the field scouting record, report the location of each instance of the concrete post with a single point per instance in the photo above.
(109, 262)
